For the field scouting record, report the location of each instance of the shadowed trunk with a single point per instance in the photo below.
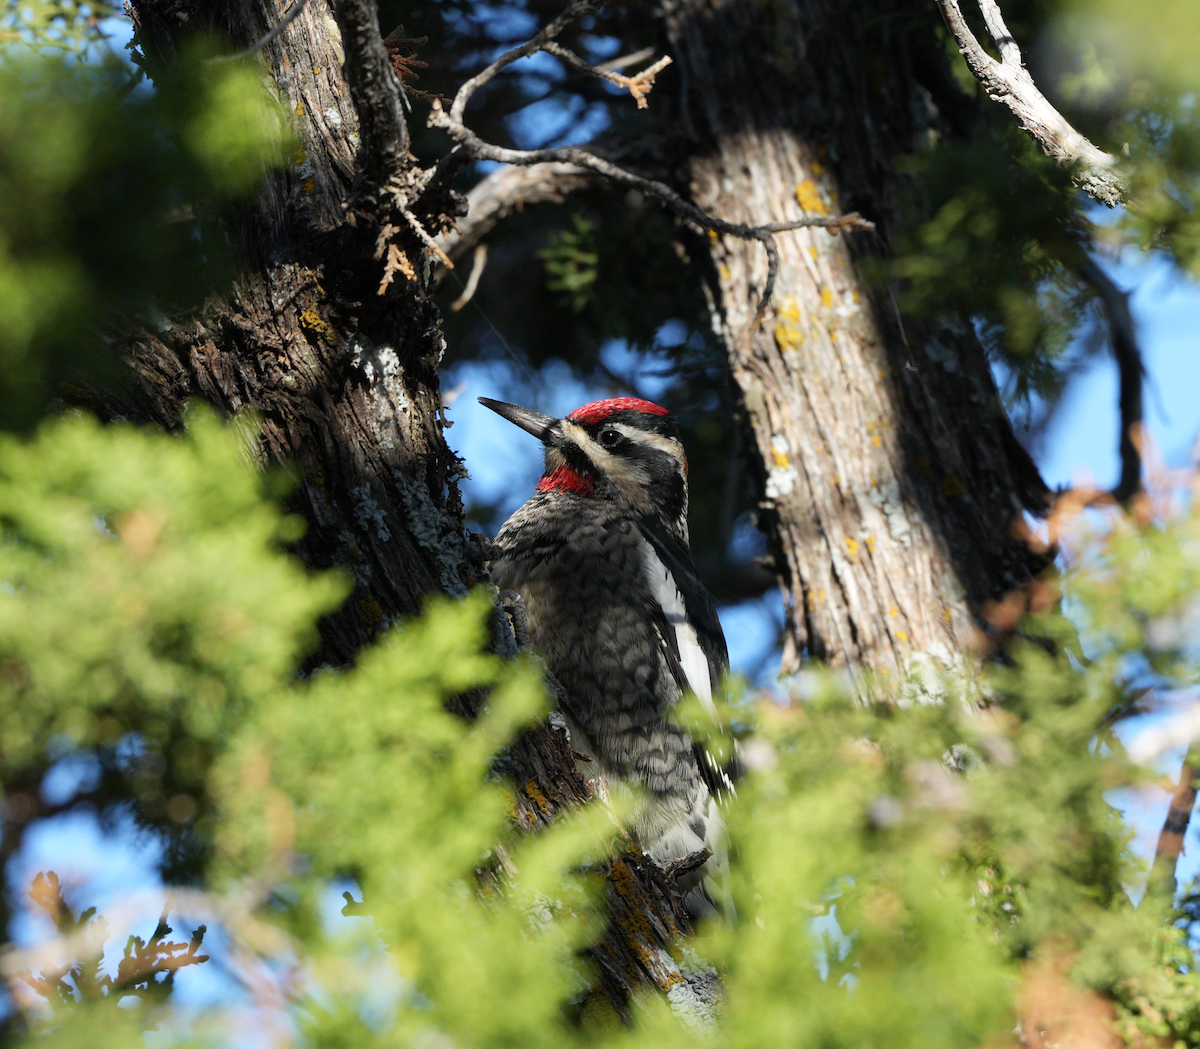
(890, 476)
(344, 380)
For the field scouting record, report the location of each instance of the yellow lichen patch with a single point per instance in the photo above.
(901, 635)
(789, 310)
(817, 168)
(812, 250)
(534, 794)
(309, 185)
(713, 236)
(723, 270)
(788, 336)
(852, 545)
(893, 611)
(809, 197)
(870, 543)
(311, 320)
(827, 298)
(300, 109)
(779, 458)
(876, 441)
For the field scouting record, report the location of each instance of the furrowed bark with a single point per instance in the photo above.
(890, 476)
(344, 380)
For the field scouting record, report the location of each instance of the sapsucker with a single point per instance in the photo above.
(600, 556)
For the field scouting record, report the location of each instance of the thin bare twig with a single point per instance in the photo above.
(510, 189)
(1131, 372)
(289, 17)
(477, 149)
(615, 65)
(477, 265)
(1009, 82)
(638, 86)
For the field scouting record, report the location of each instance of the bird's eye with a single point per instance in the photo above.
(610, 438)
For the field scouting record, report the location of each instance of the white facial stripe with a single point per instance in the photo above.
(627, 475)
(655, 440)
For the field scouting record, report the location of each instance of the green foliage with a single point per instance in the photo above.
(108, 207)
(52, 26)
(912, 874)
(1001, 244)
(571, 261)
(145, 607)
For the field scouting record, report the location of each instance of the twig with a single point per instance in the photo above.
(615, 65)
(1175, 827)
(292, 14)
(638, 86)
(1009, 82)
(425, 238)
(1131, 372)
(477, 266)
(475, 148)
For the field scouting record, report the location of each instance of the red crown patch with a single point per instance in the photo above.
(597, 411)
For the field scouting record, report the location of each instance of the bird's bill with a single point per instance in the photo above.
(530, 421)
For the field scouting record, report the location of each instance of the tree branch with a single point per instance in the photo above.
(376, 92)
(638, 86)
(1009, 82)
(509, 189)
(1131, 372)
(1179, 815)
(475, 148)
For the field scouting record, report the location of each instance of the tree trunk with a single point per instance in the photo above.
(345, 380)
(891, 480)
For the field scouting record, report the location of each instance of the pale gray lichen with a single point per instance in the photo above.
(886, 498)
(434, 532)
(368, 512)
(697, 1001)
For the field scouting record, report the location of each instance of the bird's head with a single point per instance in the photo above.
(624, 449)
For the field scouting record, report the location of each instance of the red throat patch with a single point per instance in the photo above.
(600, 410)
(568, 480)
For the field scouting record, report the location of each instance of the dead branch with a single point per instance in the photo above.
(1009, 82)
(1131, 372)
(507, 190)
(477, 266)
(473, 147)
(638, 86)
(376, 91)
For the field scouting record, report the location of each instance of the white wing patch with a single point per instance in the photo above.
(691, 655)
